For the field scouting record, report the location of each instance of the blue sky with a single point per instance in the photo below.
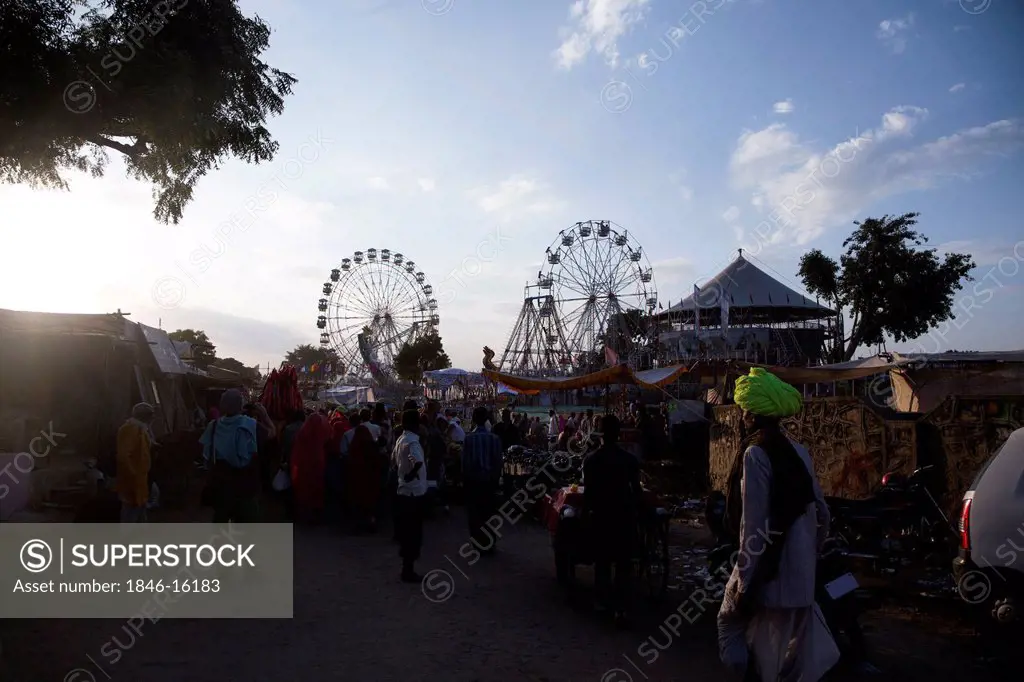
(429, 128)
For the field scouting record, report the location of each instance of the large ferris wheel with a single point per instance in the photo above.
(595, 291)
(374, 303)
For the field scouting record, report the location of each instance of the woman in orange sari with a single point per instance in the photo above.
(308, 467)
(363, 474)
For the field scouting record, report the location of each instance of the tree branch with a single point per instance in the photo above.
(140, 147)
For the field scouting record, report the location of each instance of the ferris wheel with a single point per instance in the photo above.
(602, 286)
(374, 303)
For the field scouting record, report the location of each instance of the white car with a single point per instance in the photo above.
(989, 567)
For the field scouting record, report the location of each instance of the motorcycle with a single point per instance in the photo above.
(901, 523)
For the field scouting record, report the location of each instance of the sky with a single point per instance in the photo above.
(466, 135)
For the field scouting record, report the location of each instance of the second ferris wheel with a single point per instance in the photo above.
(595, 291)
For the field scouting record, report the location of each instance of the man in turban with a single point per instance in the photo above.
(777, 515)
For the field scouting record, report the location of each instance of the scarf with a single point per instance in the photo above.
(144, 427)
(790, 491)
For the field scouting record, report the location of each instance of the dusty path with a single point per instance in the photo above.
(503, 619)
(499, 619)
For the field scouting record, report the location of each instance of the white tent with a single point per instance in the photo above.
(348, 395)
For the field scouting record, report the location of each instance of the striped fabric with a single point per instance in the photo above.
(482, 457)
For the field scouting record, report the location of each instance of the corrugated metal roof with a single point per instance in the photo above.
(164, 351)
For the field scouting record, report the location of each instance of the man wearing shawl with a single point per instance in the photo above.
(134, 445)
(777, 514)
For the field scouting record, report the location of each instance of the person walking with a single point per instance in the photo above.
(777, 514)
(482, 463)
(134, 459)
(506, 430)
(553, 427)
(230, 447)
(410, 465)
(363, 473)
(612, 503)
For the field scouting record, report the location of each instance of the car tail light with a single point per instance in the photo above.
(965, 525)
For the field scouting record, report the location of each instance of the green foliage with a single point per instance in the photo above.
(176, 86)
(422, 355)
(248, 374)
(306, 355)
(204, 353)
(888, 285)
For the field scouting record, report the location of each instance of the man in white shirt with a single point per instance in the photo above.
(552, 426)
(408, 458)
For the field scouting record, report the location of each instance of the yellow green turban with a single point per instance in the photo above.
(765, 394)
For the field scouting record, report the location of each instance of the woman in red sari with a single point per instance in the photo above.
(363, 474)
(308, 467)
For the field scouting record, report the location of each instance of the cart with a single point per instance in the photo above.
(572, 541)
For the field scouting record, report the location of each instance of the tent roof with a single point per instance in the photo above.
(22, 321)
(751, 289)
(978, 357)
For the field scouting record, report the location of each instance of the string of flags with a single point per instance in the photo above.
(324, 368)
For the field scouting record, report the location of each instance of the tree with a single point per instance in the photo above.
(204, 353)
(307, 355)
(425, 354)
(176, 87)
(887, 284)
(249, 374)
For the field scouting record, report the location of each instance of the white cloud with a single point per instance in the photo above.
(378, 183)
(801, 191)
(893, 32)
(673, 275)
(986, 252)
(597, 26)
(731, 214)
(958, 87)
(678, 180)
(427, 184)
(518, 194)
(783, 107)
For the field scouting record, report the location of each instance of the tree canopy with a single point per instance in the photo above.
(204, 353)
(307, 355)
(250, 374)
(425, 354)
(886, 284)
(176, 87)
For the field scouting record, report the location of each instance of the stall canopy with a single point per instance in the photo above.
(620, 374)
(349, 395)
(825, 374)
(448, 377)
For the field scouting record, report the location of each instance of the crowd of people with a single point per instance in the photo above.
(360, 464)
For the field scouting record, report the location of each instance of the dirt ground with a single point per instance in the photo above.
(502, 618)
